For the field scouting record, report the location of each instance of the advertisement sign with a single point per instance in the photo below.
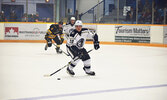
(165, 34)
(11, 31)
(25, 31)
(136, 34)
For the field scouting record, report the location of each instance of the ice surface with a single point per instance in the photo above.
(122, 73)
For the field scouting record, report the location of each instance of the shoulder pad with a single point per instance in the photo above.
(73, 33)
(54, 25)
(51, 27)
(84, 29)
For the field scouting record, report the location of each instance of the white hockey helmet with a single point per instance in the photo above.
(72, 18)
(78, 23)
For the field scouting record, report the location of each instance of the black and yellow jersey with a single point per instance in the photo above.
(54, 30)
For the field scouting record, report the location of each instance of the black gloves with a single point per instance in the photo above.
(46, 38)
(96, 45)
(96, 42)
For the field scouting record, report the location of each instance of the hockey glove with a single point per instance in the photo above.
(96, 45)
(46, 38)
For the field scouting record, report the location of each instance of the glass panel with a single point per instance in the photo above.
(127, 11)
(145, 11)
(27, 10)
(102, 11)
(12, 13)
(109, 12)
(95, 14)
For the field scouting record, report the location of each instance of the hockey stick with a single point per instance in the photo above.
(48, 75)
(61, 50)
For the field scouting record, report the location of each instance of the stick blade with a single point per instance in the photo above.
(47, 75)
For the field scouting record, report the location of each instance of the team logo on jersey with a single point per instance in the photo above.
(80, 43)
(11, 31)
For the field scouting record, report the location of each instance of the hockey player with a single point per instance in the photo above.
(69, 27)
(75, 48)
(55, 33)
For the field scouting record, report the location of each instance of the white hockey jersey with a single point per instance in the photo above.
(78, 39)
(67, 29)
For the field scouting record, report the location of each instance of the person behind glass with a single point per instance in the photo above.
(2, 17)
(36, 17)
(24, 17)
(13, 16)
(55, 33)
(130, 16)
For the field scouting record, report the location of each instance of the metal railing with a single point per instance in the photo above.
(127, 12)
(105, 11)
(93, 14)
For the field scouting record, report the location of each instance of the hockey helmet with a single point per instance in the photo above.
(61, 23)
(72, 18)
(78, 23)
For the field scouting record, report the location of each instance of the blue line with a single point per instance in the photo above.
(92, 92)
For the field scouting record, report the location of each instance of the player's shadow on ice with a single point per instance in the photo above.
(79, 77)
(48, 54)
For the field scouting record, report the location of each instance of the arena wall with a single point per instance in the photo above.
(2, 31)
(157, 34)
(108, 33)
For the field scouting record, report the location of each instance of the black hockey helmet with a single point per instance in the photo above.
(61, 23)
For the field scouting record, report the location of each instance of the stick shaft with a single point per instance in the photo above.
(61, 50)
(66, 65)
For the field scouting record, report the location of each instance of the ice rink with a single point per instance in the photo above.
(122, 73)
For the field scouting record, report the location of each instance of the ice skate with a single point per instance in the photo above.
(46, 47)
(87, 71)
(70, 72)
(58, 50)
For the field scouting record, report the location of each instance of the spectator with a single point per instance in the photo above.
(2, 17)
(24, 18)
(36, 18)
(48, 20)
(31, 17)
(140, 7)
(147, 6)
(146, 17)
(13, 16)
(130, 16)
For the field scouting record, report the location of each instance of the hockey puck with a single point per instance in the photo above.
(58, 78)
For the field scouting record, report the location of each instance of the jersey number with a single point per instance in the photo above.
(80, 43)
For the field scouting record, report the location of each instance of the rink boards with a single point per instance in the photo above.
(126, 33)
